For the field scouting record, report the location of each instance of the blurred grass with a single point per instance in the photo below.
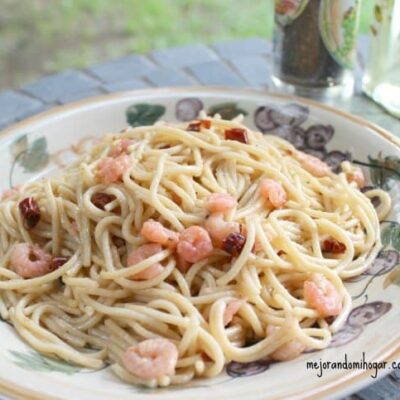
(43, 36)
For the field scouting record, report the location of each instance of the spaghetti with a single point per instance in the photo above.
(167, 249)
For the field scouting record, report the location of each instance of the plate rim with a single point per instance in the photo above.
(331, 389)
(62, 108)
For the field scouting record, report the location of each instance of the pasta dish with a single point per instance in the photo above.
(169, 250)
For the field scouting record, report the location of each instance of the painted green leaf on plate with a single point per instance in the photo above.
(19, 145)
(396, 238)
(226, 110)
(36, 157)
(386, 235)
(144, 114)
(391, 236)
(35, 361)
(33, 156)
(384, 169)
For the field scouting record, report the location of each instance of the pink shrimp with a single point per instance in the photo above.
(220, 202)
(231, 309)
(321, 294)
(8, 193)
(288, 351)
(30, 261)
(357, 177)
(194, 244)
(140, 254)
(151, 359)
(274, 192)
(112, 169)
(121, 147)
(313, 164)
(155, 232)
(218, 228)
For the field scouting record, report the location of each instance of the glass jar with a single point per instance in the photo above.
(314, 43)
(381, 79)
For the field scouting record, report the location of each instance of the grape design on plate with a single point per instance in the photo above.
(286, 122)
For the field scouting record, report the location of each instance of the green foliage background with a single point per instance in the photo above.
(38, 37)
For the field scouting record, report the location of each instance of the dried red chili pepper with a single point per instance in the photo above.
(100, 200)
(233, 243)
(332, 245)
(238, 134)
(30, 212)
(57, 262)
(199, 125)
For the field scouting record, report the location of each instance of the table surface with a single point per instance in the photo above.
(238, 63)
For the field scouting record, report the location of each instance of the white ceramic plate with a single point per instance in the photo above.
(40, 145)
